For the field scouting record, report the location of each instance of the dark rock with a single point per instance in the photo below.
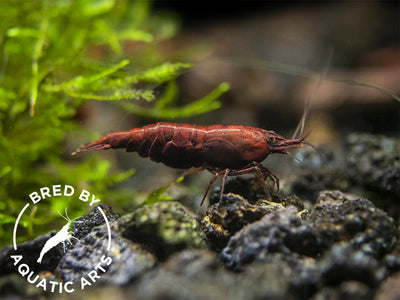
(289, 276)
(392, 261)
(343, 264)
(343, 249)
(163, 228)
(348, 236)
(84, 225)
(349, 290)
(129, 260)
(197, 274)
(344, 217)
(225, 218)
(248, 187)
(255, 241)
(295, 276)
(374, 161)
(30, 251)
(90, 252)
(14, 286)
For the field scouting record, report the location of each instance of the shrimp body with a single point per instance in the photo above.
(227, 150)
(61, 236)
(184, 145)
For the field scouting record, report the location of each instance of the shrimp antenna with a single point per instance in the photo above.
(66, 214)
(312, 146)
(65, 218)
(309, 101)
(316, 150)
(297, 159)
(306, 136)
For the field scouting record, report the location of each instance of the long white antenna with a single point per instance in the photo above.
(66, 219)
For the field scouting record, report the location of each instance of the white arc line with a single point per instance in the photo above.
(16, 225)
(108, 228)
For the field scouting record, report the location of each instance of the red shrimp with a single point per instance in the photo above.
(227, 150)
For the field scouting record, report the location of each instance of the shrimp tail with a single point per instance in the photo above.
(50, 243)
(45, 249)
(119, 139)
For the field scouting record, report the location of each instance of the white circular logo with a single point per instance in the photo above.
(62, 236)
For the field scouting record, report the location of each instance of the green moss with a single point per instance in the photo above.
(163, 226)
(50, 66)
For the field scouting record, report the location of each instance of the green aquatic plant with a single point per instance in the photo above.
(54, 57)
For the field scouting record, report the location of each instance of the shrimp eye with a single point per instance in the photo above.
(271, 139)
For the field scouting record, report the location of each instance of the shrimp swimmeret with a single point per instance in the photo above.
(61, 236)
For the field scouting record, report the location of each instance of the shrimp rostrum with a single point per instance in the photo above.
(224, 150)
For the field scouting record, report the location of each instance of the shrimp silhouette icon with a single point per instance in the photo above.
(64, 234)
(61, 236)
